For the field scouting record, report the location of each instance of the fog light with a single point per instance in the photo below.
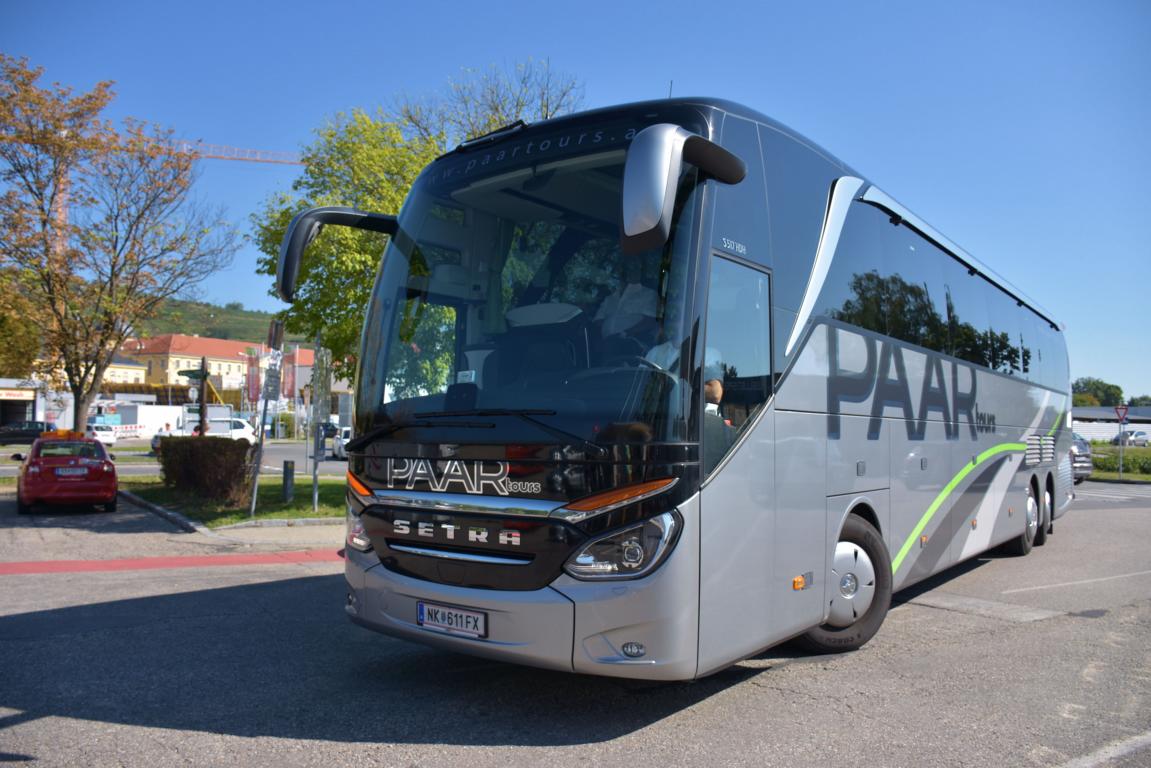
(634, 650)
(357, 537)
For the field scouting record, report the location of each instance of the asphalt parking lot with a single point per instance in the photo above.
(126, 642)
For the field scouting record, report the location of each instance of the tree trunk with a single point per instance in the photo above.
(81, 402)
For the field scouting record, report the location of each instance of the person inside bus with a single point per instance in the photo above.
(718, 433)
(630, 307)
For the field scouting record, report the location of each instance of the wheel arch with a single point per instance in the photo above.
(864, 510)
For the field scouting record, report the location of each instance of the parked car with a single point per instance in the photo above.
(25, 431)
(340, 442)
(66, 468)
(1131, 437)
(1081, 461)
(102, 432)
(236, 429)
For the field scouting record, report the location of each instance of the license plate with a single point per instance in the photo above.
(71, 471)
(454, 621)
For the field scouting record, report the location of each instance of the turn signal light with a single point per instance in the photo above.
(599, 503)
(357, 487)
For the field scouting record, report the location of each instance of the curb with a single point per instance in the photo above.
(191, 526)
(1117, 481)
(283, 523)
(173, 517)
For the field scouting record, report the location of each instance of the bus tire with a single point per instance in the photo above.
(1044, 520)
(860, 591)
(1021, 545)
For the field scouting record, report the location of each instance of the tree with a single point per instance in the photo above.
(369, 161)
(96, 225)
(357, 160)
(481, 102)
(21, 338)
(1139, 401)
(1106, 394)
(1084, 400)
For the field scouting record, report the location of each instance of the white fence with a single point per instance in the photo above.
(1104, 430)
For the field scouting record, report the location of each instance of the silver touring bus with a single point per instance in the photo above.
(645, 390)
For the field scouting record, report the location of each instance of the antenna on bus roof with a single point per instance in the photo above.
(670, 83)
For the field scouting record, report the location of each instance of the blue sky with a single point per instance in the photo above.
(1017, 129)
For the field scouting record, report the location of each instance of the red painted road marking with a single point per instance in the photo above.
(154, 563)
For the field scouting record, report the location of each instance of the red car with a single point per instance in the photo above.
(66, 468)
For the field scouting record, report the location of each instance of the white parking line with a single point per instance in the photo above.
(1112, 752)
(990, 609)
(1075, 583)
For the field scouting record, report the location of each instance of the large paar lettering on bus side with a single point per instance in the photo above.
(949, 389)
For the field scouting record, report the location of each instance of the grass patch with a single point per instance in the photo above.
(269, 501)
(1105, 449)
(134, 458)
(1132, 476)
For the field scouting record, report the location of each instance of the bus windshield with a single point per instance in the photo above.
(504, 302)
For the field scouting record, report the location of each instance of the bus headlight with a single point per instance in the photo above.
(356, 537)
(627, 554)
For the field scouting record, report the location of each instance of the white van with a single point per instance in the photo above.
(237, 429)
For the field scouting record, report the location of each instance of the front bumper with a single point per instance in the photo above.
(533, 628)
(1081, 467)
(71, 493)
(569, 625)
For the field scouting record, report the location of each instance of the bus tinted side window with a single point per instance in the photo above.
(798, 182)
(852, 291)
(740, 224)
(914, 305)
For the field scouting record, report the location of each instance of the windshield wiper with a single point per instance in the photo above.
(524, 414)
(372, 436)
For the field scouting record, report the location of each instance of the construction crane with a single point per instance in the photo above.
(198, 149)
(225, 152)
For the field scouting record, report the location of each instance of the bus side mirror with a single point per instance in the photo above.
(655, 159)
(303, 230)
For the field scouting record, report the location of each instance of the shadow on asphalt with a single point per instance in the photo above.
(280, 659)
(942, 578)
(83, 517)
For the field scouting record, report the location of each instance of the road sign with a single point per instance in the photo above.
(192, 373)
(1121, 412)
(272, 383)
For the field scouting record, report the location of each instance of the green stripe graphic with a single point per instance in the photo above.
(947, 489)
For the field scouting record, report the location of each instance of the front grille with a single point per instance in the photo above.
(471, 550)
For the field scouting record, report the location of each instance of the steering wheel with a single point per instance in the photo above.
(638, 361)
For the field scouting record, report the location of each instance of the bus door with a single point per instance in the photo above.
(742, 533)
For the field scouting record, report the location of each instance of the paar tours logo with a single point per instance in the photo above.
(453, 475)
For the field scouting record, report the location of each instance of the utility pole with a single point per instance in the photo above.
(271, 386)
(203, 394)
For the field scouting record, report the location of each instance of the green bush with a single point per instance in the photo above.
(1132, 462)
(211, 467)
(287, 426)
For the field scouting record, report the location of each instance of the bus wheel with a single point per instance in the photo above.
(860, 590)
(1044, 520)
(1022, 544)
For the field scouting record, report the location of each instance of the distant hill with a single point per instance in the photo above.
(230, 321)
